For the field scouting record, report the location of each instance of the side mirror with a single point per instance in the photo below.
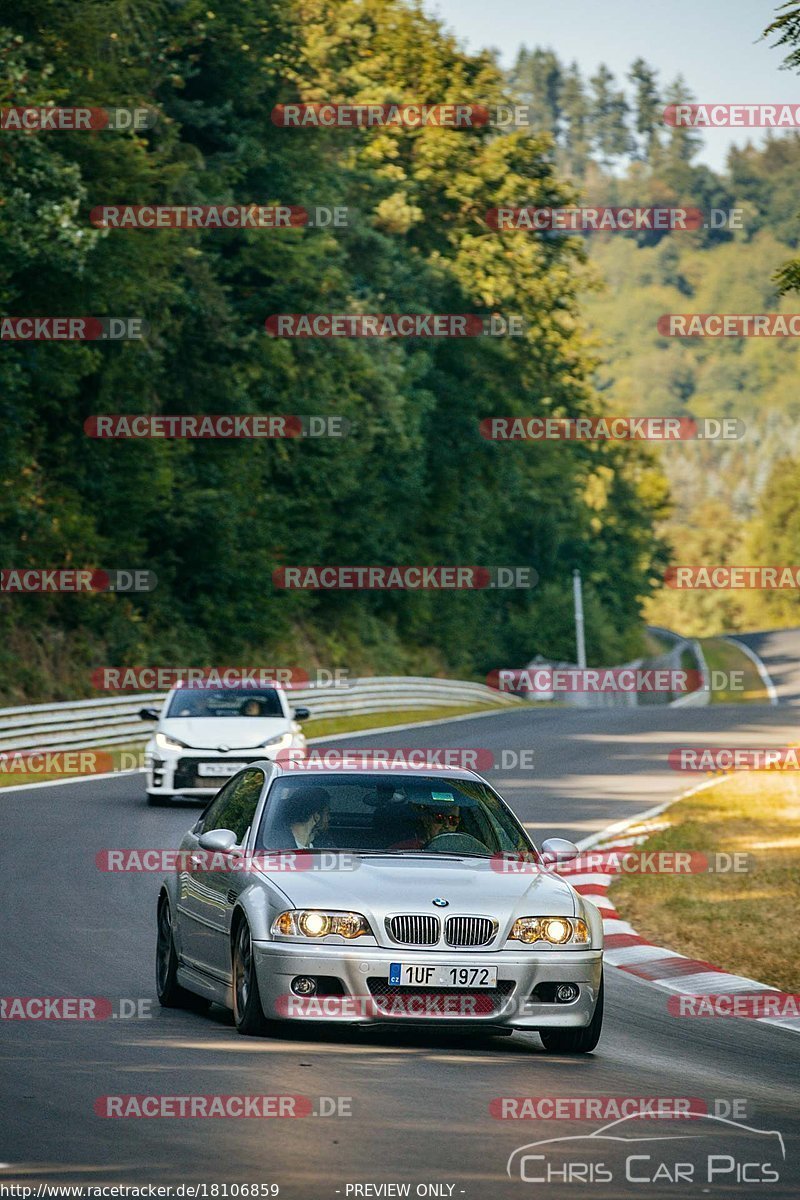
(302, 714)
(218, 841)
(149, 714)
(559, 850)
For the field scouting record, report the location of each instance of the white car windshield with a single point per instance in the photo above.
(384, 814)
(226, 702)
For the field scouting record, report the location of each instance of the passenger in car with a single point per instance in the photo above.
(431, 822)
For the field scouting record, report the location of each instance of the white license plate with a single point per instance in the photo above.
(417, 975)
(219, 769)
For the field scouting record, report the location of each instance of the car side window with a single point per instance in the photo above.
(235, 805)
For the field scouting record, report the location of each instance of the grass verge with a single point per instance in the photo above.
(91, 760)
(724, 656)
(325, 726)
(745, 923)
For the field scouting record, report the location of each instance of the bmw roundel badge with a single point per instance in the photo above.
(440, 903)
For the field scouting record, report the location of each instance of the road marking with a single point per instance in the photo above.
(766, 679)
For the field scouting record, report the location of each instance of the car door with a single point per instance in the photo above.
(207, 895)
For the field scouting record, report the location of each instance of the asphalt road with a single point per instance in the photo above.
(778, 652)
(419, 1102)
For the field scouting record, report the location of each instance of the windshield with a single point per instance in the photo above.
(226, 702)
(389, 814)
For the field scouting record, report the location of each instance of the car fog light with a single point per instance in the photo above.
(304, 985)
(566, 993)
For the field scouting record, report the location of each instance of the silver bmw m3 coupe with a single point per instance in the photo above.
(378, 896)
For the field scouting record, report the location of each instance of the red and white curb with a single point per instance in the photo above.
(627, 951)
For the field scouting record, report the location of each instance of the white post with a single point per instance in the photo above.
(578, 598)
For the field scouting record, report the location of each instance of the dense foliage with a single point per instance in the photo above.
(621, 152)
(787, 26)
(415, 483)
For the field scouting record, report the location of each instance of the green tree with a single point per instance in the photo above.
(611, 137)
(682, 143)
(787, 26)
(537, 77)
(575, 112)
(647, 108)
(773, 539)
(415, 482)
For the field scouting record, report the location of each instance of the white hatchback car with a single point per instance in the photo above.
(205, 735)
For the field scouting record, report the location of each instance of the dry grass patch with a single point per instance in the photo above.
(744, 923)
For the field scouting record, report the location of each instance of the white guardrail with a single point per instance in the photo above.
(116, 721)
(673, 659)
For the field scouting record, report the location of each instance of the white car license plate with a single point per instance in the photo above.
(219, 769)
(419, 975)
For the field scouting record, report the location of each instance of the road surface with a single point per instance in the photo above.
(420, 1103)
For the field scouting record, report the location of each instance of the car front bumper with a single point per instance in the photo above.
(367, 998)
(172, 773)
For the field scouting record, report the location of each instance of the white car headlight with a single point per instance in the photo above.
(317, 923)
(279, 739)
(169, 743)
(558, 931)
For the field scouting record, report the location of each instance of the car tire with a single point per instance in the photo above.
(157, 800)
(169, 991)
(576, 1041)
(248, 1014)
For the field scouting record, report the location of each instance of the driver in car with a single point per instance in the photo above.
(431, 822)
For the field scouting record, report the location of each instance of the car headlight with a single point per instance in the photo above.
(169, 743)
(559, 931)
(316, 923)
(279, 737)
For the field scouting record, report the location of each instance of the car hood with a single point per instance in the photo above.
(209, 733)
(380, 887)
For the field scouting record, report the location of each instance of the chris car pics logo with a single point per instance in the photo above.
(693, 1149)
